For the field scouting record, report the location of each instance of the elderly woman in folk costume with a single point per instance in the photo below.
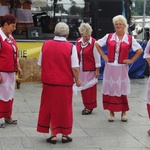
(89, 59)
(59, 70)
(9, 64)
(116, 83)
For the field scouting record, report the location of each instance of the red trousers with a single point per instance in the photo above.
(89, 97)
(55, 109)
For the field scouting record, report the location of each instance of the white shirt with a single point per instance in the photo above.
(3, 35)
(74, 57)
(147, 50)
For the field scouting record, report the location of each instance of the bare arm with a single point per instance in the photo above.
(76, 76)
(134, 58)
(101, 52)
(19, 71)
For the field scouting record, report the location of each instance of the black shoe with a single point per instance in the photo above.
(86, 111)
(2, 125)
(49, 140)
(66, 139)
(7, 121)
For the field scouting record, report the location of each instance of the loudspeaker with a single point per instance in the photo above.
(101, 27)
(105, 10)
(45, 21)
(108, 8)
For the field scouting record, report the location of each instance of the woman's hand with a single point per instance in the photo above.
(19, 72)
(78, 83)
(127, 61)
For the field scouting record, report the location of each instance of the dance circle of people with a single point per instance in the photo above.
(76, 71)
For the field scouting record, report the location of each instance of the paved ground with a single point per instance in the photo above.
(91, 132)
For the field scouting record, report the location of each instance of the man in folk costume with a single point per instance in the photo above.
(59, 69)
(147, 57)
(89, 59)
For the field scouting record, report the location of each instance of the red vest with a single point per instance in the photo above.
(88, 60)
(56, 63)
(8, 56)
(123, 52)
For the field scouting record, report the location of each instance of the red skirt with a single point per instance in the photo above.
(89, 97)
(148, 110)
(115, 103)
(55, 109)
(6, 108)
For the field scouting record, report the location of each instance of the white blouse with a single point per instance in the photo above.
(147, 50)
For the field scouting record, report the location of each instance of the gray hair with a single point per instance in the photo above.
(61, 29)
(123, 19)
(85, 28)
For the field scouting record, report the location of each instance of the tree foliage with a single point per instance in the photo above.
(74, 10)
(138, 8)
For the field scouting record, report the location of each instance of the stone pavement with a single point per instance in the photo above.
(92, 132)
